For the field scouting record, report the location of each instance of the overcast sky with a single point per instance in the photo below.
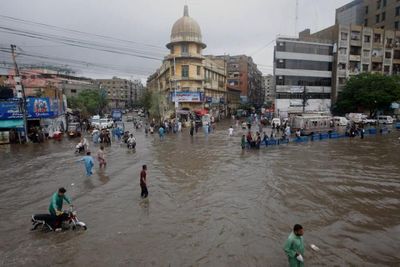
(228, 26)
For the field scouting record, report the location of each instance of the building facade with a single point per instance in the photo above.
(243, 74)
(384, 14)
(303, 76)
(121, 93)
(187, 80)
(351, 13)
(269, 85)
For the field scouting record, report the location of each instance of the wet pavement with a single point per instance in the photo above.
(210, 203)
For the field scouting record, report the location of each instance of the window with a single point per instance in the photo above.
(396, 25)
(366, 53)
(343, 36)
(185, 71)
(184, 48)
(377, 18)
(366, 9)
(388, 55)
(342, 51)
(384, 3)
(365, 67)
(365, 22)
(397, 10)
(198, 70)
(378, 4)
(355, 36)
(198, 49)
(73, 91)
(383, 16)
(377, 38)
(367, 39)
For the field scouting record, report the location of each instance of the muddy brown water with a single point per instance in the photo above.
(210, 204)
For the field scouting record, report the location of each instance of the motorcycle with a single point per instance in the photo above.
(70, 220)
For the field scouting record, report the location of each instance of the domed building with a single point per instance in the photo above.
(195, 81)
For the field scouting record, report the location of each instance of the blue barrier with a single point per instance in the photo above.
(324, 136)
(398, 125)
(283, 141)
(272, 142)
(334, 135)
(301, 139)
(372, 131)
(315, 137)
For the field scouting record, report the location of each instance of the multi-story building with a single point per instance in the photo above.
(269, 85)
(120, 92)
(137, 91)
(303, 75)
(361, 49)
(351, 13)
(384, 14)
(193, 80)
(243, 74)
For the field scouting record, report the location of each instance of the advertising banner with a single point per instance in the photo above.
(36, 108)
(187, 97)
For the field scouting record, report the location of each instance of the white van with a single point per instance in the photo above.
(385, 119)
(340, 121)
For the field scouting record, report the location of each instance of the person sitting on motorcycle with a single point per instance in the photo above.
(79, 147)
(131, 141)
(55, 207)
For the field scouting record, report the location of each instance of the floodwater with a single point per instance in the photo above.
(210, 203)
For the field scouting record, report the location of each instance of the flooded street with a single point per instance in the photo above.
(210, 203)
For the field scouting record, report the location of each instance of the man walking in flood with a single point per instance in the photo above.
(143, 182)
(294, 247)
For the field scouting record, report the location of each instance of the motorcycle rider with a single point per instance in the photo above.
(55, 208)
(131, 141)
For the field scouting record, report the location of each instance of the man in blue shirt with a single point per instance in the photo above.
(89, 163)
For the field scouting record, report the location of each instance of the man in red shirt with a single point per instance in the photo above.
(143, 182)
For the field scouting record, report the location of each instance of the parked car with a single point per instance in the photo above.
(382, 119)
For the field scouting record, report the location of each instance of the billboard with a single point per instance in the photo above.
(37, 107)
(195, 97)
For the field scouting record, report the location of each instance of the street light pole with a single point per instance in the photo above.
(13, 47)
(176, 98)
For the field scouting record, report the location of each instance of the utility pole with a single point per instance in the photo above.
(20, 91)
(304, 99)
(176, 97)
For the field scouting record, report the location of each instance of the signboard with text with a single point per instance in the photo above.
(37, 107)
(195, 97)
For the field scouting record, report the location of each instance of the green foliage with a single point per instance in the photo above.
(368, 91)
(89, 102)
(146, 100)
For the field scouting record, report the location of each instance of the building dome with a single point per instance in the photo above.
(186, 29)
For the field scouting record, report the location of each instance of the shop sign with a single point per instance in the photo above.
(37, 107)
(195, 97)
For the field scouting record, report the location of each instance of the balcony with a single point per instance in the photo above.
(342, 73)
(184, 55)
(355, 58)
(342, 58)
(355, 42)
(387, 61)
(377, 58)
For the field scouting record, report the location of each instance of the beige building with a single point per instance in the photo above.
(119, 91)
(199, 81)
(384, 14)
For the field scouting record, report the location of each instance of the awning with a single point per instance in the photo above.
(11, 124)
(201, 112)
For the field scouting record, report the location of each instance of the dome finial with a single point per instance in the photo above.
(186, 11)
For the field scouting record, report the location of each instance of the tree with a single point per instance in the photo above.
(366, 91)
(89, 102)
